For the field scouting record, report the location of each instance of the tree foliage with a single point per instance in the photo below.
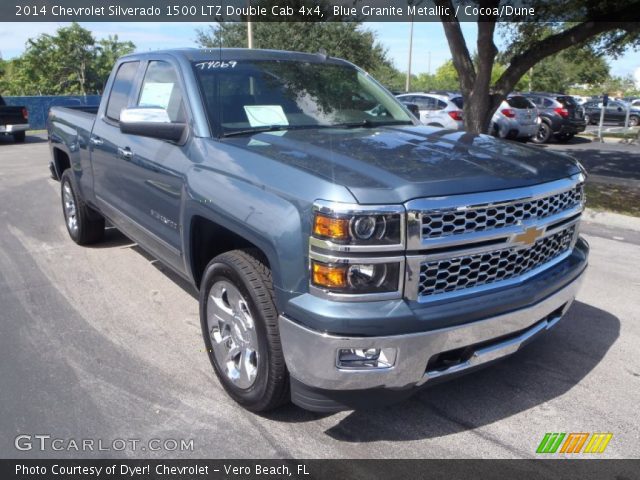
(529, 43)
(69, 62)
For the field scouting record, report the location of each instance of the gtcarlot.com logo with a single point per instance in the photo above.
(574, 442)
(45, 442)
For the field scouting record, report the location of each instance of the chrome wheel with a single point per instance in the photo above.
(70, 211)
(233, 335)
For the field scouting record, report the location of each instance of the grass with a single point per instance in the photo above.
(613, 198)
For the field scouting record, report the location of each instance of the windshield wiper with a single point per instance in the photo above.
(251, 131)
(278, 128)
(370, 124)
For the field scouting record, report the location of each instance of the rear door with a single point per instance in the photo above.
(105, 140)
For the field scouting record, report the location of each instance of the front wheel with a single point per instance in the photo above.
(543, 134)
(240, 327)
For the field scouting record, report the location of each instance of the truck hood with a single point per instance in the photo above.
(397, 164)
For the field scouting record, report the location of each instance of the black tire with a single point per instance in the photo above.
(89, 224)
(587, 119)
(634, 120)
(19, 137)
(543, 135)
(252, 278)
(564, 137)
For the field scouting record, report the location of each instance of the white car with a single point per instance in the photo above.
(436, 109)
(515, 118)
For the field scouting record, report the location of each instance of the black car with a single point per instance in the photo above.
(615, 111)
(560, 115)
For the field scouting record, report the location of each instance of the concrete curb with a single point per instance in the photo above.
(609, 219)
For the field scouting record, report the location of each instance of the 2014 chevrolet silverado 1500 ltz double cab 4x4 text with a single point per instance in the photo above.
(345, 255)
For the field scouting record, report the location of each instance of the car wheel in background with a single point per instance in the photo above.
(239, 323)
(634, 121)
(85, 225)
(543, 134)
(19, 137)
(587, 119)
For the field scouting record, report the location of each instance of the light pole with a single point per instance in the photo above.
(249, 33)
(407, 84)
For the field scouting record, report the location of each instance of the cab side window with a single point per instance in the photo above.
(161, 89)
(121, 89)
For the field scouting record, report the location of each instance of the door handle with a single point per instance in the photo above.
(95, 141)
(125, 153)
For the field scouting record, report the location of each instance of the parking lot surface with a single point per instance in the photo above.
(104, 343)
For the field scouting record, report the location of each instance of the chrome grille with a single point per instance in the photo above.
(443, 223)
(469, 271)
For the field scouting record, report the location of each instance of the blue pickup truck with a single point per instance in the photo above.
(344, 254)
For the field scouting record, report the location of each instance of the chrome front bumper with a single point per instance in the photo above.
(311, 356)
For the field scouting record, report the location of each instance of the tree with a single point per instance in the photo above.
(345, 40)
(530, 43)
(68, 62)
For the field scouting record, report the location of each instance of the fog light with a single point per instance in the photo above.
(366, 358)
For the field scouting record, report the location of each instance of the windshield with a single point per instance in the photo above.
(247, 96)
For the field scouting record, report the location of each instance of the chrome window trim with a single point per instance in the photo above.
(415, 209)
(351, 209)
(356, 297)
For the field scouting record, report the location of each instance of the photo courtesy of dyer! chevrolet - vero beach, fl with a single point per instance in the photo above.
(344, 253)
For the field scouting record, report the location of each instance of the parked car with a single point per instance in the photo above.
(14, 121)
(561, 117)
(437, 109)
(342, 258)
(615, 111)
(515, 118)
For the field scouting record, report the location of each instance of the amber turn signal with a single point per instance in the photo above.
(329, 276)
(332, 228)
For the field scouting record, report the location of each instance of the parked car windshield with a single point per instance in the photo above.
(458, 102)
(246, 96)
(567, 101)
(520, 102)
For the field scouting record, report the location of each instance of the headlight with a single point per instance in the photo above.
(366, 226)
(356, 278)
(347, 251)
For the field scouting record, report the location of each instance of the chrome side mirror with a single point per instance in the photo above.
(151, 122)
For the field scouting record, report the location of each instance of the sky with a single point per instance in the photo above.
(430, 49)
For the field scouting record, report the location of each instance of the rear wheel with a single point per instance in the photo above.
(19, 137)
(85, 225)
(240, 328)
(634, 121)
(543, 134)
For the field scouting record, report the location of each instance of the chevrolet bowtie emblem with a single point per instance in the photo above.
(529, 236)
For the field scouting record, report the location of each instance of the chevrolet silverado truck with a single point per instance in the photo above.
(14, 121)
(344, 254)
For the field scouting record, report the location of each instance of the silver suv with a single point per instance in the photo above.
(440, 109)
(515, 118)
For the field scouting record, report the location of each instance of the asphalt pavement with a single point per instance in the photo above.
(104, 343)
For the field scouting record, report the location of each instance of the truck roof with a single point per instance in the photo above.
(204, 54)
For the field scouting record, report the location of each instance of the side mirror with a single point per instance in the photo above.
(413, 108)
(151, 122)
